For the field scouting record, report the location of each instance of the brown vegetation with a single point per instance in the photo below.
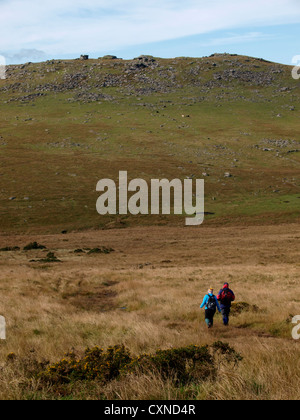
(146, 295)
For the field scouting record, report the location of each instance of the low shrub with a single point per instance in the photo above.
(33, 245)
(222, 352)
(102, 250)
(95, 364)
(10, 248)
(184, 365)
(50, 258)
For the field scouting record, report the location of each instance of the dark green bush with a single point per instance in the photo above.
(95, 364)
(33, 245)
(50, 258)
(224, 352)
(10, 248)
(184, 365)
(102, 250)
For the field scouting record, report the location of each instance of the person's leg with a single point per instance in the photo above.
(225, 313)
(212, 317)
(228, 313)
(209, 318)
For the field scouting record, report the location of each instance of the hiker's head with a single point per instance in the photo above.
(210, 290)
(226, 286)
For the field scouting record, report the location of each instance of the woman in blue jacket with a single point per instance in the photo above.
(211, 305)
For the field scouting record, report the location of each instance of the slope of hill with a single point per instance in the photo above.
(66, 124)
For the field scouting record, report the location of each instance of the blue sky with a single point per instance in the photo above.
(37, 30)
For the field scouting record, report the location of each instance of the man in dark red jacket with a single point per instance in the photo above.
(225, 297)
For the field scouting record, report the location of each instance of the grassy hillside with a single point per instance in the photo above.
(66, 124)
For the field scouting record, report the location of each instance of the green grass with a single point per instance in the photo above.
(54, 150)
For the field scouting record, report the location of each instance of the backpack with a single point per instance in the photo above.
(226, 296)
(211, 303)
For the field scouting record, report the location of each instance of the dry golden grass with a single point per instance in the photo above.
(146, 295)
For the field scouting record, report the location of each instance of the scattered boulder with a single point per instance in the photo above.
(145, 58)
(109, 57)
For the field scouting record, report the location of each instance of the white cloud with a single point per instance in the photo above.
(26, 54)
(73, 26)
(238, 39)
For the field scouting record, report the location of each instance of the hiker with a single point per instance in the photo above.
(225, 297)
(211, 305)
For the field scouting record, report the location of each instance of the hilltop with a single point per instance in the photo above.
(65, 124)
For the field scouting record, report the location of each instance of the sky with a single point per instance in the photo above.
(38, 30)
